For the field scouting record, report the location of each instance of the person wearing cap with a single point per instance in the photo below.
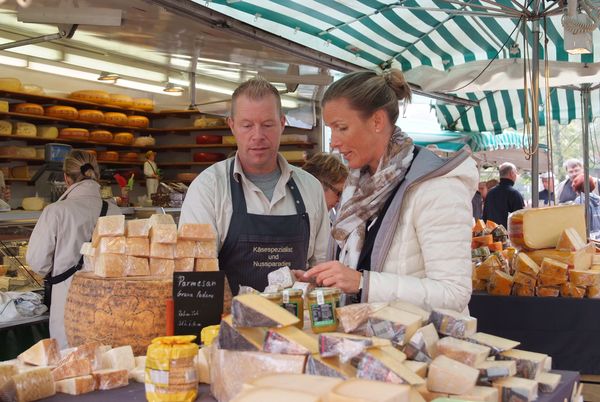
(546, 196)
(151, 173)
(594, 207)
(55, 243)
(267, 213)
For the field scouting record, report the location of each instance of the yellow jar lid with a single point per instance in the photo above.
(271, 296)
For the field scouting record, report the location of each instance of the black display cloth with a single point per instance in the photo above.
(19, 335)
(564, 328)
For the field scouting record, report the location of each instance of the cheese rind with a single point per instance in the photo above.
(252, 310)
(465, 352)
(548, 382)
(329, 367)
(491, 370)
(480, 394)
(163, 233)
(516, 389)
(495, 343)
(451, 323)
(73, 368)
(110, 378)
(246, 339)
(400, 319)
(570, 240)
(379, 365)
(422, 346)
(529, 364)
(450, 376)
(290, 341)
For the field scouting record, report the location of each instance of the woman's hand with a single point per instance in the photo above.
(334, 274)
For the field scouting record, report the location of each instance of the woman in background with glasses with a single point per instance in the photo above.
(332, 174)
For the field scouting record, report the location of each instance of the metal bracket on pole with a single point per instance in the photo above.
(64, 32)
(585, 117)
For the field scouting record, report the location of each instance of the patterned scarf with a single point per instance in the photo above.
(364, 195)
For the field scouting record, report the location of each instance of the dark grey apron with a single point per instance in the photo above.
(259, 244)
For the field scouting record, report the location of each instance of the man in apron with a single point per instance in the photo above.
(267, 213)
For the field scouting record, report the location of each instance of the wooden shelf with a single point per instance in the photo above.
(35, 161)
(100, 162)
(13, 180)
(39, 140)
(184, 130)
(185, 147)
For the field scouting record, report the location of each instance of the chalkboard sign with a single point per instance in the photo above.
(198, 300)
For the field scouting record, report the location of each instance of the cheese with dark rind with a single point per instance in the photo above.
(581, 259)
(337, 344)
(419, 368)
(422, 346)
(491, 370)
(138, 121)
(7, 370)
(584, 278)
(397, 319)
(548, 382)
(451, 323)
(329, 367)
(529, 364)
(514, 389)
(524, 279)
(495, 343)
(246, 339)
(465, 352)
(450, 376)
(360, 390)
(290, 341)
(252, 310)
(378, 365)
(74, 134)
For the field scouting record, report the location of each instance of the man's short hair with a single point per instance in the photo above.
(506, 169)
(571, 163)
(327, 168)
(256, 88)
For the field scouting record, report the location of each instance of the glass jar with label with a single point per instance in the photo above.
(293, 302)
(275, 297)
(321, 307)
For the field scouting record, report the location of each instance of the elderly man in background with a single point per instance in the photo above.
(564, 190)
(546, 196)
(504, 198)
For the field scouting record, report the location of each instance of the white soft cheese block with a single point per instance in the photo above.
(77, 385)
(119, 358)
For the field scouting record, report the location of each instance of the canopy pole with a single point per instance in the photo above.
(535, 114)
(585, 103)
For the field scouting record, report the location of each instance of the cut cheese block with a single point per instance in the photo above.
(538, 228)
(451, 377)
(479, 394)
(119, 358)
(163, 233)
(112, 245)
(43, 353)
(500, 284)
(137, 266)
(329, 367)
(263, 394)
(495, 343)
(529, 364)
(584, 278)
(353, 316)
(7, 370)
(110, 378)
(93, 116)
(313, 384)
(138, 121)
(523, 290)
(422, 346)
(570, 290)
(516, 389)
(162, 250)
(383, 365)
(110, 265)
(184, 264)
(580, 260)
(547, 280)
(359, 390)
(346, 346)
(248, 339)
(113, 225)
(281, 277)
(409, 308)
(206, 249)
(138, 246)
(121, 100)
(553, 268)
(547, 291)
(73, 368)
(160, 219)
(480, 241)
(290, 341)
(23, 129)
(143, 104)
(116, 118)
(138, 228)
(91, 351)
(30, 385)
(101, 136)
(252, 310)
(49, 132)
(206, 265)
(526, 265)
(162, 266)
(524, 279)
(548, 382)
(185, 249)
(570, 240)
(491, 370)
(593, 292)
(101, 97)
(485, 270)
(419, 368)
(29, 108)
(451, 323)
(465, 352)
(10, 84)
(76, 386)
(408, 321)
(62, 112)
(5, 127)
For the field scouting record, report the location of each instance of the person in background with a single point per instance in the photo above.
(151, 173)
(62, 228)
(267, 213)
(546, 196)
(399, 200)
(478, 200)
(594, 207)
(332, 174)
(504, 198)
(564, 189)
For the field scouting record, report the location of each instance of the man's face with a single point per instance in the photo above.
(482, 187)
(257, 126)
(548, 184)
(574, 171)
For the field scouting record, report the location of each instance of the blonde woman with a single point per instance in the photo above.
(62, 228)
(332, 174)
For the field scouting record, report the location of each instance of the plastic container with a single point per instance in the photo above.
(321, 307)
(275, 297)
(293, 302)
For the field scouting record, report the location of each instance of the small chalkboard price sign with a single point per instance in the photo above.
(198, 300)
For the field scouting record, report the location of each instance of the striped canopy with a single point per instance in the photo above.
(446, 46)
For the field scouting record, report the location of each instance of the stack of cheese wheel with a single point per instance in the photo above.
(138, 121)
(144, 104)
(101, 136)
(128, 157)
(62, 112)
(94, 96)
(108, 156)
(116, 118)
(74, 134)
(123, 138)
(93, 116)
(29, 108)
(124, 101)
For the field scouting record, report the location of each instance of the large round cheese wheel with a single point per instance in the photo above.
(123, 138)
(18, 152)
(120, 100)
(62, 112)
(32, 203)
(101, 136)
(91, 95)
(24, 129)
(144, 141)
(74, 134)
(208, 156)
(5, 127)
(49, 132)
(116, 311)
(28, 108)
(32, 89)
(143, 104)
(208, 139)
(204, 122)
(138, 121)
(110, 156)
(10, 84)
(116, 118)
(93, 116)
(129, 156)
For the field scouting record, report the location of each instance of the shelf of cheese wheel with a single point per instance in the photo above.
(119, 297)
(553, 259)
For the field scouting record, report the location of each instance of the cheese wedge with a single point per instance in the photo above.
(500, 284)
(422, 346)
(570, 240)
(451, 323)
(390, 318)
(359, 390)
(77, 385)
(548, 382)
(491, 370)
(43, 353)
(73, 368)
(274, 394)
(379, 365)
(231, 338)
(110, 378)
(529, 364)
(120, 358)
(290, 341)
(252, 310)
(526, 265)
(419, 368)
(465, 352)
(450, 376)
(495, 343)
(516, 389)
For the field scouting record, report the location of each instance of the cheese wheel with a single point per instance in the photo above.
(143, 104)
(74, 133)
(101, 136)
(23, 129)
(129, 157)
(10, 84)
(62, 112)
(204, 122)
(28, 108)
(208, 139)
(33, 203)
(93, 116)
(101, 97)
(208, 156)
(121, 100)
(123, 138)
(116, 118)
(3, 106)
(5, 127)
(18, 152)
(138, 121)
(20, 172)
(49, 132)
(110, 156)
(40, 153)
(144, 141)
(32, 89)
